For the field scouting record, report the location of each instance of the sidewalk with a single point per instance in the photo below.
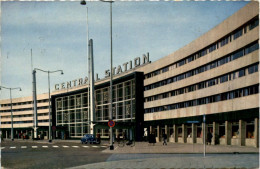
(178, 156)
(177, 148)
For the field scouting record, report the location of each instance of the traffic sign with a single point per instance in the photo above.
(111, 123)
(204, 118)
(53, 128)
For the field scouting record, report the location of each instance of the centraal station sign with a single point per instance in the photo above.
(116, 70)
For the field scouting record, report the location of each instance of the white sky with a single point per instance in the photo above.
(57, 34)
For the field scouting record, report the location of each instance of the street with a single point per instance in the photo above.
(29, 155)
(72, 154)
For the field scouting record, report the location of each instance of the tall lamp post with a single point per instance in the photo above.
(12, 127)
(83, 2)
(111, 76)
(50, 140)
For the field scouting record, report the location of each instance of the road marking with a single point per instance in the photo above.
(12, 147)
(95, 146)
(2, 148)
(103, 146)
(85, 146)
(65, 146)
(75, 146)
(23, 146)
(45, 146)
(34, 146)
(55, 146)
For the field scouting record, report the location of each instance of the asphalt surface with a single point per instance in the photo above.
(72, 154)
(44, 155)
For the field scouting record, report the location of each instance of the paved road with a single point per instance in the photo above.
(66, 154)
(44, 155)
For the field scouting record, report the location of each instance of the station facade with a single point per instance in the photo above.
(215, 78)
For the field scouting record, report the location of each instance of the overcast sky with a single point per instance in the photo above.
(57, 34)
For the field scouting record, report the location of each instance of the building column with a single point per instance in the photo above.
(167, 132)
(184, 133)
(256, 132)
(215, 133)
(204, 128)
(175, 133)
(194, 132)
(228, 132)
(242, 133)
(158, 134)
(116, 133)
(6, 134)
(151, 130)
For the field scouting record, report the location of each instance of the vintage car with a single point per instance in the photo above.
(89, 138)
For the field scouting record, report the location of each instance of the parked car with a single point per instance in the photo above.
(89, 138)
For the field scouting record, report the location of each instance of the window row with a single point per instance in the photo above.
(119, 111)
(24, 103)
(205, 84)
(122, 91)
(222, 42)
(207, 100)
(17, 122)
(235, 55)
(25, 109)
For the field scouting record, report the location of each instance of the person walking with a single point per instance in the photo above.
(209, 137)
(164, 139)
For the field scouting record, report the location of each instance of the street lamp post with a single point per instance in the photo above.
(83, 2)
(111, 76)
(12, 127)
(50, 140)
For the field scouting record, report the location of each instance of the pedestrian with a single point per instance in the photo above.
(2, 137)
(164, 139)
(209, 137)
(98, 138)
(153, 138)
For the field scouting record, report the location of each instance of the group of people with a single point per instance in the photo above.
(152, 138)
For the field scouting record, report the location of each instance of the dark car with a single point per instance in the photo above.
(89, 138)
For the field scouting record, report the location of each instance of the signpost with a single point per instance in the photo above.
(111, 123)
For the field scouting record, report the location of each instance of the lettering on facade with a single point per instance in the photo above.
(138, 61)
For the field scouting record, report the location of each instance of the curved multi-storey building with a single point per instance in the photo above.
(210, 85)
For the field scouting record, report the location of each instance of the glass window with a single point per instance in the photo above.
(98, 97)
(105, 112)
(105, 95)
(120, 111)
(78, 101)
(241, 73)
(72, 116)
(99, 113)
(85, 100)
(237, 55)
(65, 103)
(78, 115)
(237, 34)
(72, 102)
(128, 90)
(223, 78)
(128, 109)
(253, 24)
(120, 92)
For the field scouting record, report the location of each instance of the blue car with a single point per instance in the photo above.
(88, 138)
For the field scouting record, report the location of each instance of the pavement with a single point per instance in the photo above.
(178, 155)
